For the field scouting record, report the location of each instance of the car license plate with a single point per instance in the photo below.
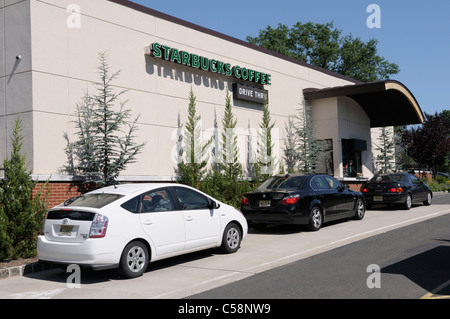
(378, 198)
(65, 230)
(264, 203)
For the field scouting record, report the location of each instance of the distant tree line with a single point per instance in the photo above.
(324, 46)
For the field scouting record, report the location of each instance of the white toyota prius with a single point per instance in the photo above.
(127, 226)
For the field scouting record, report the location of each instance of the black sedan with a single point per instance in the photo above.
(301, 199)
(398, 188)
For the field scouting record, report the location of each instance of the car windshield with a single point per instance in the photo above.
(387, 178)
(92, 200)
(279, 182)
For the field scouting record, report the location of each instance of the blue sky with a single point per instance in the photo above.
(415, 34)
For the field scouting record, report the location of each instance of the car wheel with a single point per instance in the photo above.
(315, 219)
(134, 260)
(360, 209)
(429, 199)
(231, 240)
(408, 202)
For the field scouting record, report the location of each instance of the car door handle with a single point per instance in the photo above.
(148, 222)
(189, 218)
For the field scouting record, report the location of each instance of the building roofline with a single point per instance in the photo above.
(164, 16)
(377, 99)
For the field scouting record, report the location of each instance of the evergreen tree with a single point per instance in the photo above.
(21, 213)
(192, 167)
(224, 180)
(402, 160)
(105, 144)
(266, 159)
(384, 161)
(251, 157)
(290, 145)
(230, 152)
(179, 143)
(308, 148)
(84, 148)
(5, 239)
(216, 151)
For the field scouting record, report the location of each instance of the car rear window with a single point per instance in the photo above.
(92, 200)
(387, 178)
(74, 215)
(278, 182)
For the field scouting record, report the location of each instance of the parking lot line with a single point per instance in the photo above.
(434, 294)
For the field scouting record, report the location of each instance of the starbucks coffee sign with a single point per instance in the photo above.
(167, 53)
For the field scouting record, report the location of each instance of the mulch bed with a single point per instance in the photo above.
(17, 262)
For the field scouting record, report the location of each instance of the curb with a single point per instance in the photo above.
(23, 270)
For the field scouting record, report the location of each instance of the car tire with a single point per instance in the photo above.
(315, 219)
(134, 260)
(360, 209)
(231, 239)
(408, 202)
(429, 199)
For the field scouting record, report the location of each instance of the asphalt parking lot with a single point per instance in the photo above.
(191, 274)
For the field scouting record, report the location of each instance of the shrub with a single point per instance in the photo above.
(438, 186)
(227, 190)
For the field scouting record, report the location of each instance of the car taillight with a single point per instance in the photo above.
(245, 201)
(98, 226)
(364, 190)
(291, 200)
(395, 190)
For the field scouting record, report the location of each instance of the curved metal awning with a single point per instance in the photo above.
(386, 103)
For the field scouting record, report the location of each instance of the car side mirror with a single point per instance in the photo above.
(213, 204)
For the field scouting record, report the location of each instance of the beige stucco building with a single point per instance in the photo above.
(49, 58)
